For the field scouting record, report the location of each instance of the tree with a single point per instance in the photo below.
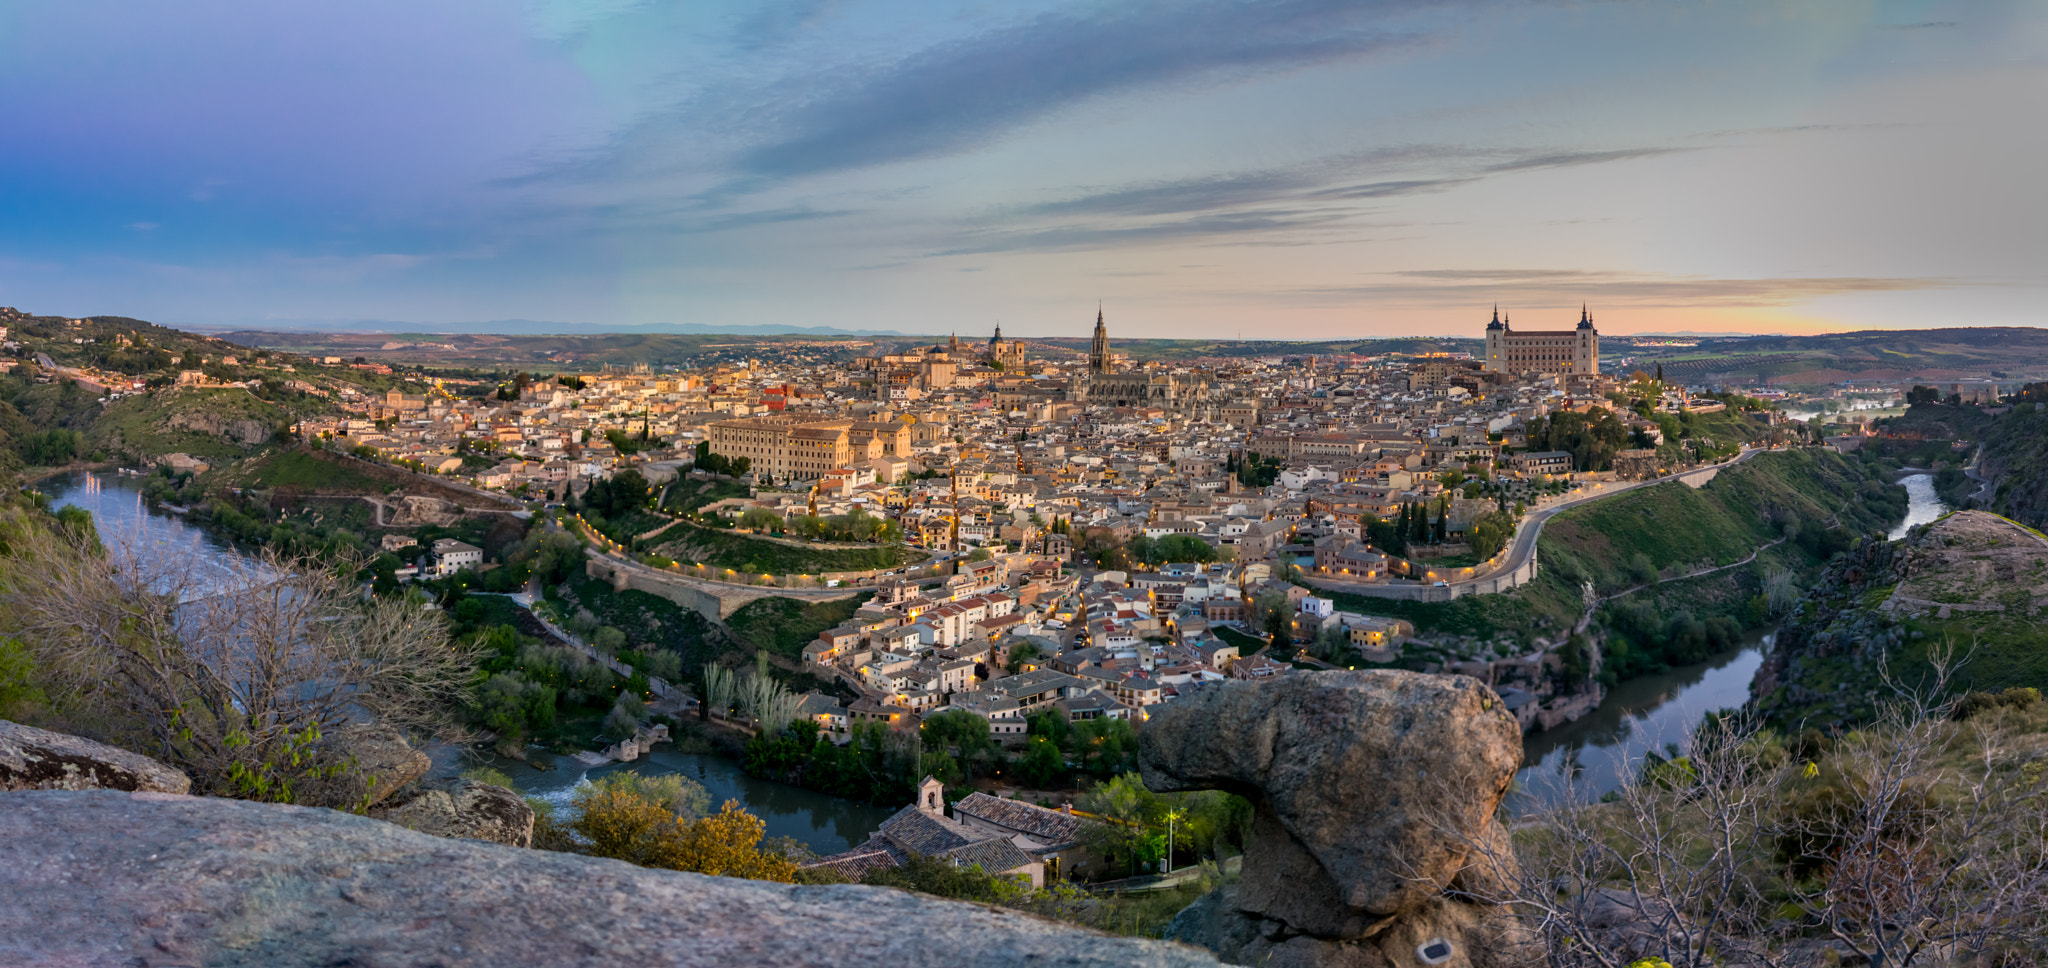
(1185, 547)
(1127, 811)
(247, 681)
(760, 519)
(1020, 656)
(623, 824)
(1272, 616)
(1903, 843)
(979, 554)
(1042, 765)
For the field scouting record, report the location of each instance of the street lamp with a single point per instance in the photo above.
(1171, 816)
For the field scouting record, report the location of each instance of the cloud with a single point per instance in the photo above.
(1222, 224)
(1569, 159)
(144, 227)
(1554, 286)
(1235, 205)
(955, 96)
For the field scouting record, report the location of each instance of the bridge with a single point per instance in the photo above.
(715, 600)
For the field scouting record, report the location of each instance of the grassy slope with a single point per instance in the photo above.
(142, 426)
(1671, 525)
(783, 625)
(746, 553)
(300, 470)
(688, 494)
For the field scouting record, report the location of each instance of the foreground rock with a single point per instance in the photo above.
(461, 808)
(1372, 792)
(37, 759)
(382, 764)
(100, 878)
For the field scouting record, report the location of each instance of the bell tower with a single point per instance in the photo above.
(1098, 354)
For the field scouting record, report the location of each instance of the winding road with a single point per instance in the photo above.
(1531, 527)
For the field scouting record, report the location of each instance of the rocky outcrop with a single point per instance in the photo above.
(100, 878)
(245, 432)
(379, 763)
(461, 808)
(37, 759)
(1372, 840)
(1973, 578)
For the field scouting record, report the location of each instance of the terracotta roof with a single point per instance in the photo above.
(921, 833)
(1049, 826)
(856, 864)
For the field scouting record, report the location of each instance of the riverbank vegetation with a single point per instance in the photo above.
(252, 681)
(883, 765)
(663, 822)
(1921, 839)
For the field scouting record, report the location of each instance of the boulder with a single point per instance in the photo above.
(37, 759)
(382, 763)
(98, 877)
(461, 808)
(1372, 831)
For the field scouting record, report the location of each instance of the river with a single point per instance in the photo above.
(827, 824)
(1922, 505)
(1643, 714)
(127, 525)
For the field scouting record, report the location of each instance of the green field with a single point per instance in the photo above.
(784, 625)
(747, 554)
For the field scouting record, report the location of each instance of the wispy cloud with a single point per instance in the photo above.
(1550, 286)
(955, 95)
(1569, 159)
(958, 95)
(1198, 228)
(1243, 206)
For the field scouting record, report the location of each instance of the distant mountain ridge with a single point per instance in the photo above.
(535, 327)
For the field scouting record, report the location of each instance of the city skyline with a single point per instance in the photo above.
(1300, 170)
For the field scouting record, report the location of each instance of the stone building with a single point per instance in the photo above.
(1575, 351)
(785, 447)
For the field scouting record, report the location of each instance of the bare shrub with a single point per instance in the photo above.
(1915, 841)
(242, 677)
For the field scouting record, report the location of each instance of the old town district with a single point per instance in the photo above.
(1085, 532)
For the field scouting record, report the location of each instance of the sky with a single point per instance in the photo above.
(1297, 169)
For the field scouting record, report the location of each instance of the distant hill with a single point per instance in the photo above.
(2001, 353)
(537, 327)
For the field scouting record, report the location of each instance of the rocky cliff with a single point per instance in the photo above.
(1373, 841)
(147, 879)
(1973, 580)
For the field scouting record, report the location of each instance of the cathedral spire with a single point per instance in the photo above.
(1098, 352)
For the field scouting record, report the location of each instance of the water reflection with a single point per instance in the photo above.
(1586, 759)
(133, 531)
(828, 824)
(1922, 504)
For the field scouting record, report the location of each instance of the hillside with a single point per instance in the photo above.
(1962, 353)
(1793, 509)
(1974, 582)
(205, 423)
(2015, 460)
